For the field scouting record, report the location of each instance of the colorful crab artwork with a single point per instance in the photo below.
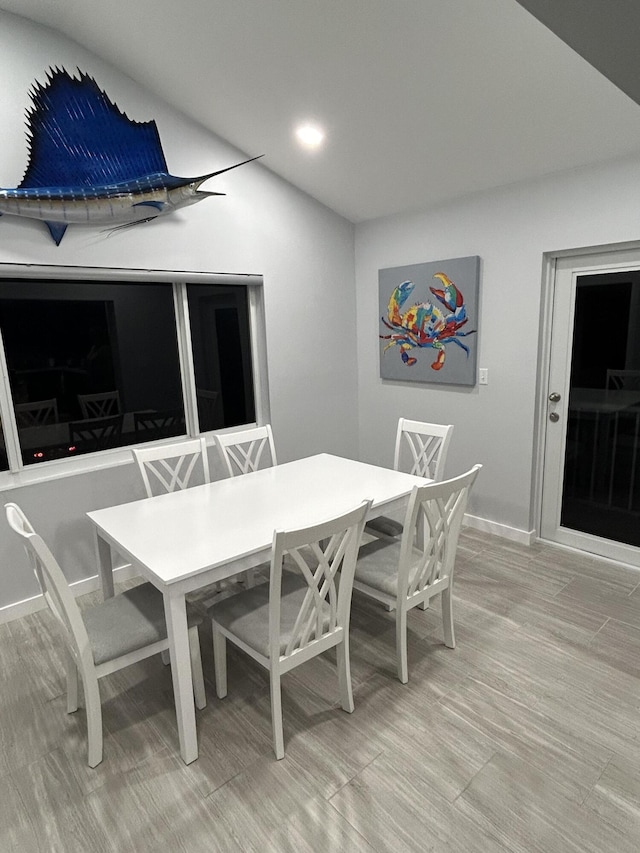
(425, 325)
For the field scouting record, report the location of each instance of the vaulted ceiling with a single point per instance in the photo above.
(423, 101)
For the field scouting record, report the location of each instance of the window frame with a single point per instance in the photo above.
(20, 474)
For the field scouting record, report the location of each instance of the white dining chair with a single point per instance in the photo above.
(169, 467)
(172, 467)
(36, 414)
(247, 450)
(300, 613)
(243, 452)
(105, 638)
(99, 405)
(408, 573)
(421, 449)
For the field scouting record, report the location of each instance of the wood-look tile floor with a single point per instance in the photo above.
(526, 737)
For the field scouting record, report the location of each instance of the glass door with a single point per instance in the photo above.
(591, 481)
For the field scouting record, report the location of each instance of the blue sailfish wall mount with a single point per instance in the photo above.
(91, 164)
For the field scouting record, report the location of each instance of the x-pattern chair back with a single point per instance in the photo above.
(152, 426)
(436, 527)
(37, 414)
(99, 405)
(173, 467)
(427, 445)
(623, 380)
(97, 433)
(244, 451)
(173, 474)
(247, 457)
(319, 563)
(207, 407)
(431, 530)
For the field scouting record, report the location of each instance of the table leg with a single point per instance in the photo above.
(176, 615)
(105, 565)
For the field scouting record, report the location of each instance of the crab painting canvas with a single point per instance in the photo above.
(429, 321)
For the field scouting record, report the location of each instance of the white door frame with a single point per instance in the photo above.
(543, 389)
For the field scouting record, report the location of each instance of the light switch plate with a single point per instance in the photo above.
(484, 376)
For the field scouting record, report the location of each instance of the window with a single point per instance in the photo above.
(219, 321)
(95, 365)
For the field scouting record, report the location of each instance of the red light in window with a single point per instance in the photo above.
(38, 455)
(72, 448)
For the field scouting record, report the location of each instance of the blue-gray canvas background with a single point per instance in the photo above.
(458, 369)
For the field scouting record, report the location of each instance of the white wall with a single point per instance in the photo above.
(264, 226)
(510, 229)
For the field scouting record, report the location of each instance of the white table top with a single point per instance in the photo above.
(179, 535)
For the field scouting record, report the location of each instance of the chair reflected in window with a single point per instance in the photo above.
(623, 380)
(99, 405)
(209, 409)
(152, 426)
(38, 413)
(95, 434)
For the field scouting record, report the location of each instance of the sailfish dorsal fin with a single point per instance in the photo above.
(78, 137)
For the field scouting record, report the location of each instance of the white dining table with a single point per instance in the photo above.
(186, 540)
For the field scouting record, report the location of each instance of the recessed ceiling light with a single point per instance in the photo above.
(310, 135)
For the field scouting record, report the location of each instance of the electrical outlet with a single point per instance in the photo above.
(484, 375)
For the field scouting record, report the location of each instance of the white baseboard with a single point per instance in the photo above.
(524, 537)
(31, 605)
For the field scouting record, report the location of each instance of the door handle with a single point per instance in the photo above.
(554, 397)
(554, 417)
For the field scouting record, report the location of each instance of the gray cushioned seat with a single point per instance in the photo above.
(385, 525)
(246, 615)
(377, 566)
(127, 622)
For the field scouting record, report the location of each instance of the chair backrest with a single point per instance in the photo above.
(623, 380)
(97, 433)
(421, 448)
(207, 406)
(38, 413)
(99, 405)
(152, 426)
(243, 451)
(172, 466)
(53, 585)
(431, 530)
(325, 556)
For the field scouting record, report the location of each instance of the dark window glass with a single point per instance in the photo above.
(92, 365)
(221, 345)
